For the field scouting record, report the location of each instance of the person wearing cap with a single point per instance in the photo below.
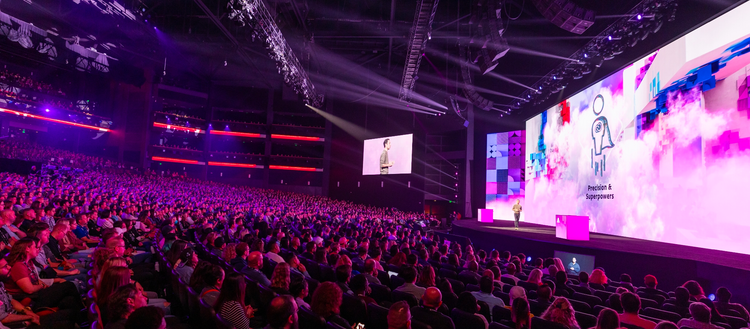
(399, 316)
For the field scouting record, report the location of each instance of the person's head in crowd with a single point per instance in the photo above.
(625, 278)
(427, 277)
(516, 292)
(175, 251)
(219, 243)
(473, 266)
(280, 278)
(583, 277)
(552, 269)
(607, 319)
(453, 260)
(695, 289)
(369, 267)
(700, 312)
(544, 293)
(326, 300)
(399, 259)
(467, 303)
(511, 268)
(230, 252)
(189, 258)
(358, 284)
(650, 281)
(432, 298)
(682, 296)
(723, 295)
(621, 290)
(320, 256)
(242, 250)
(598, 277)
(520, 313)
(112, 278)
(505, 256)
(496, 273)
(399, 316)
(715, 316)
(486, 285)
(255, 260)
(213, 275)
(561, 311)
(298, 288)
(561, 278)
(233, 289)
(123, 301)
(614, 302)
(343, 273)
(343, 260)
(535, 276)
(411, 260)
(282, 313)
(631, 303)
(149, 317)
(23, 250)
(409, 274)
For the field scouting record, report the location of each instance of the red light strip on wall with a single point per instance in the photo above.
(229, 164)
(292, 168)
(27, 115)
(232, 133)
(297, 138)
(166, 126)
(174, 160)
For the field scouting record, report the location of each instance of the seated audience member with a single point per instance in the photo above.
(614, 302)
(515, 293)
(520, 314)
(280, 279)
(561, 312)
(631, 305)
(583, 279)
(24, 281)
(598, 277)
(561, 282)
(230, 252)
(399, 316)
(370, 271)
(426, 277)
(273, 250)
(626, 282)
(716, 318)
(239, 262)
(428, 313)
(468, 303)
(535, 277)
(148, 317)
(485, 294)
(12, 311)
(343, 275)
(254, 265)
(197, 281)
(650, 290)
(326, 303)
(472, 268)
(298, 289)
(544, 296)
(695, 290)
(449, 297)
(700, 318)
(231, 302)
(410, 277)
(81, 230)
(295, 266)
(552, 270)
(121, 304)
(309, 251)
(607, 319)
(213, 279)
(511, 268)
(723, 305)
(218, 246)
(282, 313)
(186, 264)
(360, 288)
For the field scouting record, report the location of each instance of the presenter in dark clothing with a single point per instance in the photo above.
(385, 165)
(574, 268)
(517, 211)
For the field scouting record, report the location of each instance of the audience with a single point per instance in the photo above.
(723, 305)
(122, 303)
(700, 318)
(410, 277)
(326, 303)
(399, 316)
(428, 313)
(282, 313)
(148, 317)
(607, 319)
(468, 303)
(231, 302)
(561, 312)
(520, 314)
(631, 305)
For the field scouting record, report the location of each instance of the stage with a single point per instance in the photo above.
(672, 264)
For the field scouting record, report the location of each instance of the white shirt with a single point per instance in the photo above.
(275, 257)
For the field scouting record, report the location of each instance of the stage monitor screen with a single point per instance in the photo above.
(387, 155)
(657, 151)
(576, 263)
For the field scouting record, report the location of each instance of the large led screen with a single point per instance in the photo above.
(658, 151)
(387, 155)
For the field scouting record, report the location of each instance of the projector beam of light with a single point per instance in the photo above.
(356, 131)
(351, 92)
(475, 69)
(530, 52)
(69, 123)
(506, 79)
(363, 77)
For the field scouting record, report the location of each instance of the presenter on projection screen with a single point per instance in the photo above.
(385, 165)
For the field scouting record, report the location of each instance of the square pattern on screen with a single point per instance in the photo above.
(505, 165)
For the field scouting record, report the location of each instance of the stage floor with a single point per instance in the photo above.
(598, 241)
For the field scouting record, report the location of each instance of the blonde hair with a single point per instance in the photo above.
(561, 311)
(230, 252)
(280, 278)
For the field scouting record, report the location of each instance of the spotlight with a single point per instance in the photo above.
(610, 38)
(46, 110)
(225, 63)
(528, 259)
(585, 55)
(711, 297)
(639, 17)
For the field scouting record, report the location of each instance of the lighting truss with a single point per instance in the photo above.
(418, 36)
(254, 13)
